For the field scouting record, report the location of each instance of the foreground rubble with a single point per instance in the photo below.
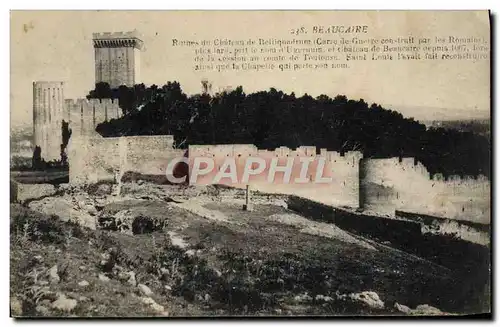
(159, 250)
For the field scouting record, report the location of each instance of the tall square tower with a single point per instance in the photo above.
(117, 58)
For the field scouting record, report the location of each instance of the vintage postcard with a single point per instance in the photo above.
(250, 163)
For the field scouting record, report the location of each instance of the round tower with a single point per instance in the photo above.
(48, 114)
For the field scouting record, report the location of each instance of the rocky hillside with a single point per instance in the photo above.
(162, 251)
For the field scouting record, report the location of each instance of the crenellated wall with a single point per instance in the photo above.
(342, 169)
(393, 184)
(97, 158)
(84, 115)
(379, 186)
(375, 185)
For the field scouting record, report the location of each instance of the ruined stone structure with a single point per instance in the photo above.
(117, 58)
(404, 184)
(343, 169)
(48, 114)
(50, 109)
(380, 186)
(93, 159)
(84, 115)
(116, 62)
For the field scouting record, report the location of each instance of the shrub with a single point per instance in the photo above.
(32, 226)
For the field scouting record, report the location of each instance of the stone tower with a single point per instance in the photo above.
(117, 58)
(48, 114)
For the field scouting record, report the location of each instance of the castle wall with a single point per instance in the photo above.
(48, 114)
(343, 170)
(380, 186)
(84, 115)
(93, 159)
(392, 184)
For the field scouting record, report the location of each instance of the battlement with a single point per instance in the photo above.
(343, 170)
(245, 150)
(411, 165)
(91, 102)
(48, 84)
(223, 149)
(394, 183)
(403, 165)
(461, 180)
(116, 35)
(311, 151)
(356, 155)
(308, 151)
(85, 114)
(117, 40)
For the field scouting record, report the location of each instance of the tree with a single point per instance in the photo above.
(272, 118)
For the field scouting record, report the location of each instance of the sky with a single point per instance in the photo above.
(57, 46)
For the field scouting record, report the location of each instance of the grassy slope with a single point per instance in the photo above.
(249, 265)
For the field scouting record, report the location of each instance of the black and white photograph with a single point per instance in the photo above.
(282, 164)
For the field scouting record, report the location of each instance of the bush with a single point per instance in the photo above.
(28, 225)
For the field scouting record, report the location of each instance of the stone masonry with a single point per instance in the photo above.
(48, 114)
(117, 58)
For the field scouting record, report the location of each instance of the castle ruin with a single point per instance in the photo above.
(84, 115)
(117, 58)
(50, 109)
(48, 114)
(116, 63)
(376, 185)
